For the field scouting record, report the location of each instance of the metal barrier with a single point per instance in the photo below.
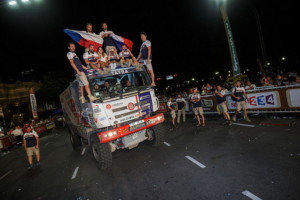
(284, 99)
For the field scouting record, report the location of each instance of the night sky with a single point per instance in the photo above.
(187, 36)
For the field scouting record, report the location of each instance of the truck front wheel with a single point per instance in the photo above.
(102, 153)
(156, 135)
(75, 139)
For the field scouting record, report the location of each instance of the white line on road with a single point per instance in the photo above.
(250, 195)
(249, 125)
(2, 177)
(167, 144)
(195, 161)
(83, 150)
(75, 172)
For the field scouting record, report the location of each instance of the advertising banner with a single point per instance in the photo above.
(50, 125)
(162, 107)
(258, 100)
(33, 106)
(40, 129)
(233, 53)
(293, 97)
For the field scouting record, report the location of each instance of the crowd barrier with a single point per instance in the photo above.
(284, 99)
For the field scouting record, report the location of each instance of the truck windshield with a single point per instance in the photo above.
(112, 86)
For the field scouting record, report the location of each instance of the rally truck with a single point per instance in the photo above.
(122, 118)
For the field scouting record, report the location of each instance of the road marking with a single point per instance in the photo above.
(83, 150)
(250, 195)
(195, 161)
(2, 177)
(75, 172)
(167, 144)
(249, 125)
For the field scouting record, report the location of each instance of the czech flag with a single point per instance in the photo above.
(119, 41)
(85, 39)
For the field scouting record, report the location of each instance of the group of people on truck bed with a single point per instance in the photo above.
(106, 58)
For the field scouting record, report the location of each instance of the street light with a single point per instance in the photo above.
(216, 73)
(283, 58)
(25, 1)
(268, 63)
(193, 79)
(12, 3)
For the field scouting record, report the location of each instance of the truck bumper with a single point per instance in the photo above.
(130, 128)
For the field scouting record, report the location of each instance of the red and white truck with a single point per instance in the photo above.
(122, 118)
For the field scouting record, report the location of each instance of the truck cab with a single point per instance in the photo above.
(122, 118)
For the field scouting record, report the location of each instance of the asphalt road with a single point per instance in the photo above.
(263, 162)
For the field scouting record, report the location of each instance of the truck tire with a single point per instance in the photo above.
(102, 153)
(158, 134)
(75, 139)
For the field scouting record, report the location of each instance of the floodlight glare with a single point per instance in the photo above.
(12, 3)
(25, 1)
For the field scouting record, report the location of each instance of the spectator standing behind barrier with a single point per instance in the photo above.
(31, 145)
(221, 101)
(238, 94)
(197, 107)
(171, 105)
(18, 133)
(250, 86)
(146, 55)
(108, 42)
(79, 68)
(181, 108)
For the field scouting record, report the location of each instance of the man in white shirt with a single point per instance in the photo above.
(89, 29)
(197, 106)
(146, 55)
(91, 59)
(78, 69)
(181, 108)
(250, 86)
(108, 42)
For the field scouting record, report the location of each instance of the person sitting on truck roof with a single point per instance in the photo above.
(79, 68)
(102, 58)
(126, 56)
(91, 59)
(113, 57)
(108, 42)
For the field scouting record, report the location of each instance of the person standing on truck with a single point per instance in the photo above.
(181, 108)
(79, 68)
(146, 55)
(238, 94)
(172, 107)
(108, 42)
(89, 29)
(31, 145)
(221, 101)
(126, 56)
(197, 107)
(91, 59)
